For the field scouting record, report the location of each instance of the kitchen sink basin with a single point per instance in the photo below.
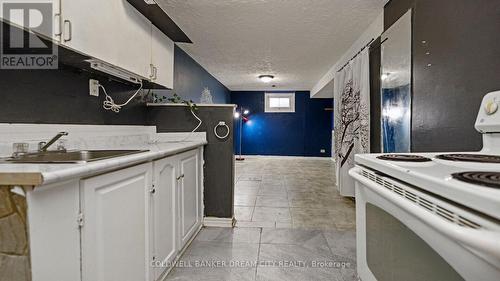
(74, 156)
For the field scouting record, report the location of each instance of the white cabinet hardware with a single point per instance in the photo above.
(152, 70)
(57, 21)
(68, 31)
(79, 220)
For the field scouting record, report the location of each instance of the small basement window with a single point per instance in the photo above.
(282, 102)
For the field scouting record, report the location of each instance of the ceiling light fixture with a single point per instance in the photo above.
(266, 78)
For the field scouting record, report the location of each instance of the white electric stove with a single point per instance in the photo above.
(431, 216)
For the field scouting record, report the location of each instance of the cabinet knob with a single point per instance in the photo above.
(152, 190)
(180, 177)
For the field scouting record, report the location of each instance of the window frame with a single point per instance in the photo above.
(269, 109)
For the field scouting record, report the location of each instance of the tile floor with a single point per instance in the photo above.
(293, 193)
(291, 225)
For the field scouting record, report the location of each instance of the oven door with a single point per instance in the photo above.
(405, 234)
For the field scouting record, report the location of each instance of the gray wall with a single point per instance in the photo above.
(462, 37)
(62, 96)
(219, 157)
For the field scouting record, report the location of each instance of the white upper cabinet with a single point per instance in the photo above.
(90, 27)
(112, 31)
(133, 40)
(162, 58)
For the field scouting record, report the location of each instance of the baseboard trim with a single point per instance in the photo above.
(218, 222)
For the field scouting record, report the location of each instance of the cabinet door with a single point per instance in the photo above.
(189, 195)
(133, 40)
(90, 27)
(54, 237)
(112, 31)
(115, 227)
(39, 15)
(162, 58)
(164, 231)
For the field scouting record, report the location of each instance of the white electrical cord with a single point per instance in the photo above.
(109, 103)
(199, 124)
(221, 124)
(196, 128)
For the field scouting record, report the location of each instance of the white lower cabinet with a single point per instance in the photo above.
(164, 213)
(136, 221)
(189, 196)
(177, 208)
(114, 239)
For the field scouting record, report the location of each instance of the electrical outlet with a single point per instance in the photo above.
(322, 151)
(94, 87)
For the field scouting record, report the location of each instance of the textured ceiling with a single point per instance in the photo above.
(295, 40)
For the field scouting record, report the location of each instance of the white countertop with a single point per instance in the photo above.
(88, 137)
(41, 174)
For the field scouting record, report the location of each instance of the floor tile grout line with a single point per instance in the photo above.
(327, 244)
(258, 254)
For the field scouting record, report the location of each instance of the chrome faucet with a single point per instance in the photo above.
(43, 146)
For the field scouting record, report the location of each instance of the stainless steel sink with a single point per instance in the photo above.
(74, 156)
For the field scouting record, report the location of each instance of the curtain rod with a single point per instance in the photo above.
(364, 47)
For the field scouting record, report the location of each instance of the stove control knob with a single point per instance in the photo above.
(491, 107)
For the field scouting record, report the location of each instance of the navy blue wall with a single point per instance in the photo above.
(190, 78)
(303, 133)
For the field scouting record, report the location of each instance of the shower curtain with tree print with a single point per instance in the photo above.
(352, 118)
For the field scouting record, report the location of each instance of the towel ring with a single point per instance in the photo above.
(221, 124)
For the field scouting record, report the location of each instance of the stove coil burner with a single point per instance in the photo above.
(489, 179)
(404, 158)
(478, 158)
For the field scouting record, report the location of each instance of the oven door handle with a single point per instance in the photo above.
(480, 241)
